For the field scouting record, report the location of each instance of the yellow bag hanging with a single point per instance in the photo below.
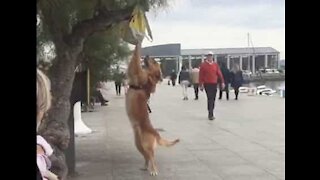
(135, 30)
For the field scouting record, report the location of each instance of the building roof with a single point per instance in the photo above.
(164, 50)
(173, 50)
(256, 50)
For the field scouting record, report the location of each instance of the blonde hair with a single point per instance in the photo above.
(236, 68)
(43, 93)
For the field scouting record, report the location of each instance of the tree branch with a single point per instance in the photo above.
(101, 22)
(54, 28)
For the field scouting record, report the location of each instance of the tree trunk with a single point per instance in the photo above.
(62, 76)
(56, 130)
(62, 73)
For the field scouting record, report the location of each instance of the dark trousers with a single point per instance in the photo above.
(226, 89)
(196, 89)
(211, 91)
(118, 88)
(236, 91)
(100, 97)
(173, 82)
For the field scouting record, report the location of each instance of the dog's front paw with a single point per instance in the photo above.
(153, 173)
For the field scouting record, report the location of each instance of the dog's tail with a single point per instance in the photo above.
(164, 142)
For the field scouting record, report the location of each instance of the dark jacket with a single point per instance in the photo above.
(226, 75)
(236, 79)
(118, 77)
(173, 75)
(184, 75)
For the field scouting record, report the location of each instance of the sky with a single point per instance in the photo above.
(220, 24)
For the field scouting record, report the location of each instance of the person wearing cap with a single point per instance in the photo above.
(208, 79)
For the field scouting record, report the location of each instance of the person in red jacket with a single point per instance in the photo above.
(208, 80)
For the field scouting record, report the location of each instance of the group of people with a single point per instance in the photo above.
(233, 78)
(209, 76)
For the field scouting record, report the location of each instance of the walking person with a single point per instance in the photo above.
(195, 81)
(184, 81)
(173, 77)
(236, 79)
(226, 76)
(208, 79)
(118, 79)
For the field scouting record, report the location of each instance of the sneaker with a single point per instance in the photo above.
(211, 117)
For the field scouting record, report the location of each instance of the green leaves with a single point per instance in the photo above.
(103, 50)
(57, 20)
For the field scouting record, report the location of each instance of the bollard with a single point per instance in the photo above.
(282, 93)
(79, 127)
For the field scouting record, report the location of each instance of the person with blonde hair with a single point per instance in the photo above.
(43, 96)
(236, 79)
(44, 150)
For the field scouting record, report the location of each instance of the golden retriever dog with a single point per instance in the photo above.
(142, 82)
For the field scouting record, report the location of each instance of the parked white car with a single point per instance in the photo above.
(269, 71)
(246, 72)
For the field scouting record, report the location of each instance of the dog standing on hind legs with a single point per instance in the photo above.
(142, 82)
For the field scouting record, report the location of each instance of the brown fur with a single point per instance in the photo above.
(146, 137)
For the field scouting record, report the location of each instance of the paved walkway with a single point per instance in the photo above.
(245, 142)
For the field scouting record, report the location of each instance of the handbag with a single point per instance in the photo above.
(134, 31)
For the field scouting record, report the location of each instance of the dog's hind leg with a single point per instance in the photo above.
(137, 138)
(150, 144)
(146, 158)
(153, 170)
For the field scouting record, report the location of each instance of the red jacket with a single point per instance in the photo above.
(209, 73)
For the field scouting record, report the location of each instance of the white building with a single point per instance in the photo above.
(173, 57)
